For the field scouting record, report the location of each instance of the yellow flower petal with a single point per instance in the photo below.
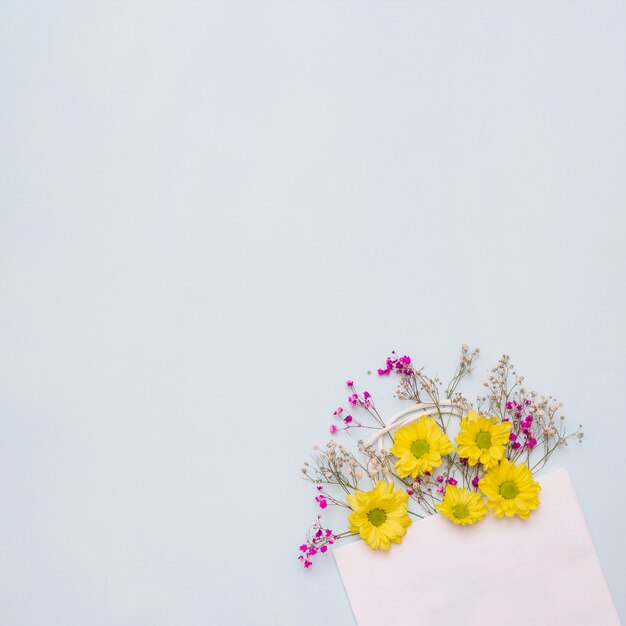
(419, 447)
(510, 489)
(483, 440)
(462, 506)
(380, 515)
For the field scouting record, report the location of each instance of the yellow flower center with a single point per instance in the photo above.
(509, 490)
(376, 517)
(419, 448)
(483, 440)
(460, 510)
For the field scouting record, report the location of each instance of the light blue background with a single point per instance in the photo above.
(214, 214)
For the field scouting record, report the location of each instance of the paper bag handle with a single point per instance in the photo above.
(446, 407)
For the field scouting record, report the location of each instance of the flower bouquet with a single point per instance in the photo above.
(468, 462)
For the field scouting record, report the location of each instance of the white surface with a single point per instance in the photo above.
(211, 215)
(543, 571)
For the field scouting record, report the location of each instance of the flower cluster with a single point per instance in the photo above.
(317, 541)
(443, 454)
(399, 365)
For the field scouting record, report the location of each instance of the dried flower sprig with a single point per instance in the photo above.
(511, 435)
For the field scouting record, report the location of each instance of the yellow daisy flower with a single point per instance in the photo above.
(462, 506)
(510, 489)
(419, 447)
(482, 439)
(380, 515)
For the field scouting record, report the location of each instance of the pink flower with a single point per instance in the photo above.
(401, 365)
(517, 445)
(347, 419)
(531, 443)
(332, 429)
(366, 395)
(303, 547)
(321, 500)
(353, 399)
(329, 532)
(350, 383)
(307, 564)
(453, 481)
(338, 411)
(512, 436)
(323, 549)
(475, 482)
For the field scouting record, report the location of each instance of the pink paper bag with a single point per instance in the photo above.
(498, 572)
